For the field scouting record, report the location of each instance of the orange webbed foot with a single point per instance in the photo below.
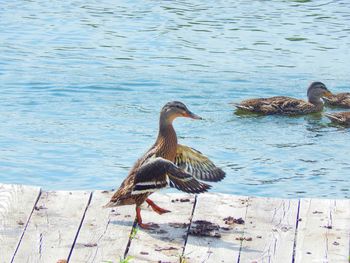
(156, 208)
(142, 225)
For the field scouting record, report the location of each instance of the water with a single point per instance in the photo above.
(82, 84)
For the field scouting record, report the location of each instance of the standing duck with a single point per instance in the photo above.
(288, 106)
(338, 100)
(342, 118)
(166, 163)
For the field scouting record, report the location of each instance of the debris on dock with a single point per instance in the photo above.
(216, 228)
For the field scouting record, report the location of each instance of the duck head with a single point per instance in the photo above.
(175, 109)
(316, 91)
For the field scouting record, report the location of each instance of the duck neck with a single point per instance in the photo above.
(167, 139)
(316, 101)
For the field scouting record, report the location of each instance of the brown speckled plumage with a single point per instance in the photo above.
(165, 164)
(165, 147)
(286, 105)
(342, 118)
(341, 100)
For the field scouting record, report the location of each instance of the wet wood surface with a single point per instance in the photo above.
(63, 226)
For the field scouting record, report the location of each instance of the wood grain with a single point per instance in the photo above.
(16, 205)
(323, 232)
(105, 232)
(269, 231)
(60, 226)
(165, 243)
(52, 227)
(213, 208)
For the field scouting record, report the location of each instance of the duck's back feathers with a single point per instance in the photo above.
(159, 173)
(339, 117)
(338, 100)
(278, 105)
(195, 163)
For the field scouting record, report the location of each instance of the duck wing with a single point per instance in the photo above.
(199, 166)
(276, 105)
(159, 173)
(286, 105)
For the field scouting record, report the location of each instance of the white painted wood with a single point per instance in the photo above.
(52, 227)
(105, 232)
(214, 208)
(269, 231)
(165, 243)
(16, 205)
(323, 232)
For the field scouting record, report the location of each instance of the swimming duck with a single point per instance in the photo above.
(166, 163)
(342, 118)
(288, 106)
(338, 100)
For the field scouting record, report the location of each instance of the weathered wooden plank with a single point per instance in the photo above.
(165, 243)
(208, 219)
(16, 205)
(105, 232)
(52, 227)
(267, 235)
(323, 232)
(269, 231)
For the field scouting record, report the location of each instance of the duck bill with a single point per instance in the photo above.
(193, 116)
(328, 94)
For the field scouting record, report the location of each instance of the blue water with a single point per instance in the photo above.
(82, 83)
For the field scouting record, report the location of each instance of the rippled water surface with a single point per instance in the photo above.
(82, 83)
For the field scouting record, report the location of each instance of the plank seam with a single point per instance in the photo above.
(189, 225)
(104, 232)
(79, 228)
(296, 232)
(243, 232)
(134, 225)
(26, 225)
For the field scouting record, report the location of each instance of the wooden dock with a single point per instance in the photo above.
(63, 226)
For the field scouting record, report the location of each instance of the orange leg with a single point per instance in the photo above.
(156, 208)
(139, 219)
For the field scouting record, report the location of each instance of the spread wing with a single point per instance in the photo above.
(198, 165)
(159, 173)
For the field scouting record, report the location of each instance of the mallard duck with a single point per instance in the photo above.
(338, 100)
(342, 118)
(286, 105)
(166, 163)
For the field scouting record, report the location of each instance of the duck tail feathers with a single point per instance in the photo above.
(332, 117)
(110, 204)
(242, 107)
